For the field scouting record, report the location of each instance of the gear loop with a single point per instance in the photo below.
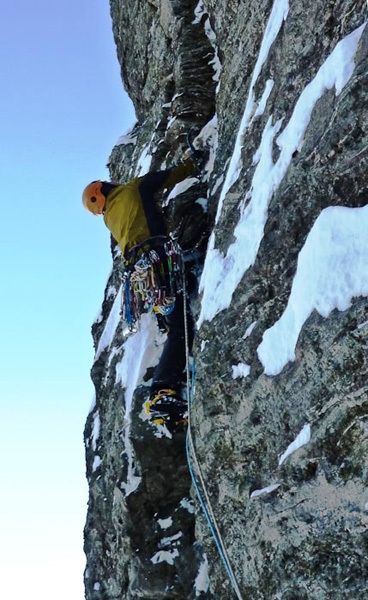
(152, 277)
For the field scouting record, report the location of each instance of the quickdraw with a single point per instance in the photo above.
(152, 277)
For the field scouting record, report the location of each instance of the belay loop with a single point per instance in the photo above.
(152, 277)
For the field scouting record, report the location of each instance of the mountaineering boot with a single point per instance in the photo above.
(166, 407)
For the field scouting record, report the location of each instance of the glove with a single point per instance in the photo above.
(200, 157)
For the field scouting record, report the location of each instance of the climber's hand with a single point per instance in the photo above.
(200, 157)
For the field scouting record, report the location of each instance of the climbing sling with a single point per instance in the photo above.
(152, 277)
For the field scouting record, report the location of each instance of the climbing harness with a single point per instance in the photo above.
(192, 459)
(151, 279)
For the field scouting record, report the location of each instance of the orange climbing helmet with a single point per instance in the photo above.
(93, 199)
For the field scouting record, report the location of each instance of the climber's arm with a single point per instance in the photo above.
(152, 182)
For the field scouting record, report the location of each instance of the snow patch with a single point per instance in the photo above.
(111, 324)
(202, 582)
(249, 330)
(98, 318)
(203, 203)
(127, 138)
(240, 370)
(144, 162)
(331, 271)
(93, 404)
(111, 292)
(208, 137)
(278, 15)
(188, 505)
(222, 274)
(167, 556)
(172, 540)
(301, 439)
(170, 123)
(165, 523)
(95, 430)
(263, 101)
(180, 188)
(266, 490)
(96, 463)
(141, 351)
(218, 183)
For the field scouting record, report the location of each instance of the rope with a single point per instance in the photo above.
(191, 453)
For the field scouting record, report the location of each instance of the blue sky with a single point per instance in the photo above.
(62, 109)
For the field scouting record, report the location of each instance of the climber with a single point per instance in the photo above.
(131, 215)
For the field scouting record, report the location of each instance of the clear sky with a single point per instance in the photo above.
(62, 109)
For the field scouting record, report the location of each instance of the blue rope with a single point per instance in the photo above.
(209, 520)
(219, 544)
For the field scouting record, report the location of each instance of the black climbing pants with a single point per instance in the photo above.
(169, 371)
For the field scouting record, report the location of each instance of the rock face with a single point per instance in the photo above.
(279, 417)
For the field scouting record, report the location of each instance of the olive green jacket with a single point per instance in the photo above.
(130, 211)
